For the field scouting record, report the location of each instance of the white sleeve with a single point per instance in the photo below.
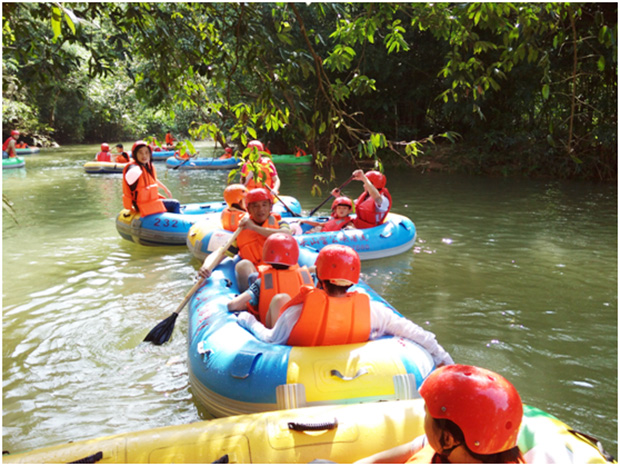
(384, 205)
(278, 335)
(384, 321)
(133, 174)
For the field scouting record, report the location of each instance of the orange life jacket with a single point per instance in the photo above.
(274, 281)
(326, 320)
(169, 139)
(265, 168)
(366, 210)
(123, 157)
(335, 224)
(250, 243)
(103, 157)
(145, 195)
(231, 217)
(21, 145)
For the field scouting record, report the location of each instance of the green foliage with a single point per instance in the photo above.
(343, 81)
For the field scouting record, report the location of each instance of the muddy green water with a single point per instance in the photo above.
(518, 276)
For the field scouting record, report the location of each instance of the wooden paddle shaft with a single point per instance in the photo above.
(209, 263)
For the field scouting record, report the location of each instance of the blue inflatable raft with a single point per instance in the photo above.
(27, 151)
(232, 372)
(202, 163)
(171, 229)
(394, 236)
(162, 155)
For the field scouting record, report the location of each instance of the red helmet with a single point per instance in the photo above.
(228, 150)
(256, 143)
(14, 133)
(258, 194)
(377, 179)
(342, 200)
(234, 194)
(137, 145)
(339, 264)
(105, 147)
(485, 406)
(280, 248)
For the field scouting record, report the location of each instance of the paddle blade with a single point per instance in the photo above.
(162, 332)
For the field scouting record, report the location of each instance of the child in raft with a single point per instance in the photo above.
(340, 218)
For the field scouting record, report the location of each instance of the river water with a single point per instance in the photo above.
(518, 276)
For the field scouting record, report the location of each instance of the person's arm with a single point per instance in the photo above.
(372, 191)
(384, 321)
(278, 335)
(399, 454)
(276, 183)
(166, 190)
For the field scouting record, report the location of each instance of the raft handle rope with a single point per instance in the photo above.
(89, 459)
(594, 442)
(337, 373)
(313, 426)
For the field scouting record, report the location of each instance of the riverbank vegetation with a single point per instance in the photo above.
(496, 88)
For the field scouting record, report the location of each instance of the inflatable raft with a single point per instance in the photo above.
(27, 151)
(171, 229)
(202, 163)
(340, 434)
(282, 159)
(394, 236)
(13, 162)
(104, 167)
(232, 372)
(162, 155)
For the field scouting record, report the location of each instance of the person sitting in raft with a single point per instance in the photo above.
(259, 224)
(472, 416)
(331, 315)
(121, 155)
(8, 148)
(104, 155)
(21, 145)
(373, 205)
(141, 186)
(228, 153)
(341, 211)
(277, 281)
(266, 175)
(234, 195)
(169, 139)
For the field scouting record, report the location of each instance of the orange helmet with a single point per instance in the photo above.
(342, 200)
(377, 179)
(280, 248)
(234, 194)
(485, 406)
(105, 147)
(338, 264)
(258, 194)
(256, 143)
(137, 145)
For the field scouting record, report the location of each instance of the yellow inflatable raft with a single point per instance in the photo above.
(341, 434)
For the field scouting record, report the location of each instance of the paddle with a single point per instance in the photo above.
(185, 161)
(161, 333)
(294, 214)
(322, 203)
